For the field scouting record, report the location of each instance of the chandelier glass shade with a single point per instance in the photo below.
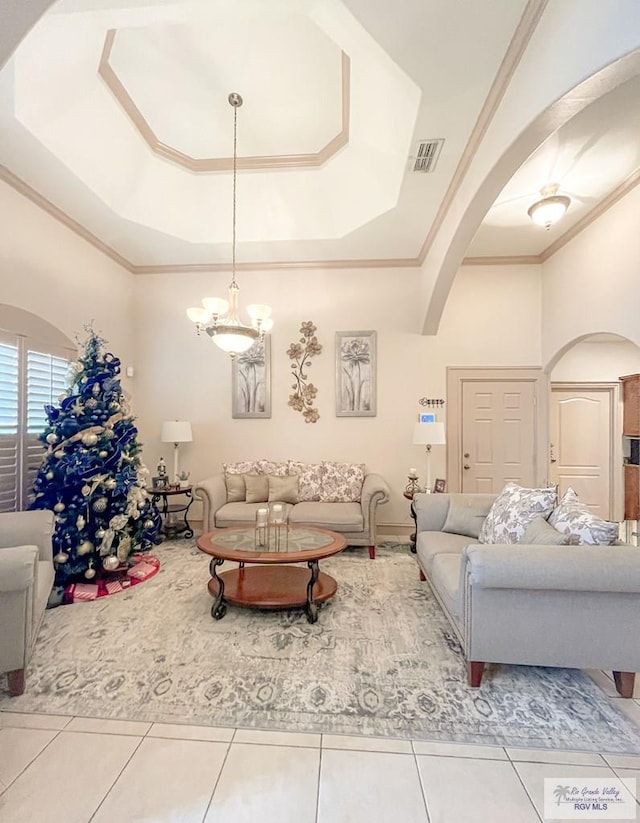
(219, 317)
(551, 208)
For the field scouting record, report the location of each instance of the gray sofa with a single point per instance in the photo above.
(532, 605)
(355, 521)
(26, 580)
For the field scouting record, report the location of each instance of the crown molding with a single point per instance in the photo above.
(61, 216)
(212, 164)
(519, 42)
(506, 260)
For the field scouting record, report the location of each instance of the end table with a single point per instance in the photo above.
(170, 526)
(413, 536)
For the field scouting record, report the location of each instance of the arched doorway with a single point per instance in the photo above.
(585, 419)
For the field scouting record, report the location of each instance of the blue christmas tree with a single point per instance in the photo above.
(92, 476)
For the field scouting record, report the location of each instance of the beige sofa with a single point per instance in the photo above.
(532, 605)
(26, 579)
(355, 521)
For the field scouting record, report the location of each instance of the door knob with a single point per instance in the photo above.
(466, 466)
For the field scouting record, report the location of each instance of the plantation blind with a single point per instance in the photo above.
(32, 375)
(9, 420)
(46, 379)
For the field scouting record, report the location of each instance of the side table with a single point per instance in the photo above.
(170, 526)
(412, 537)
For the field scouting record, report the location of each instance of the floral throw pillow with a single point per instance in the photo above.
(243, 467)
(581, 525)
(310, 477)
(274, 468)
(512, 511)
(342, 482)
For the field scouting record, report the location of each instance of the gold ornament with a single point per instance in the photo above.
(124, 547)
(100, 533)
(52, 438)
(111, 483)
(110, 563)
(100, 504)
(86, 547)
(90, 439)
(90, 572)
(86, 490)
(59, 507)
(103, 453)
(109, 434)
(114, 405)
(58, 453)
(80, 522)
(49, 475)
(96, 389)
(148, 524)
(92, 403)
(61, 557)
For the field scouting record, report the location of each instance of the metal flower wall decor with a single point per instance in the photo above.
(304, 393)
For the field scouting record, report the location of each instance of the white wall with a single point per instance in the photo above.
(45, 268)
(591, 284)
(492, 318)
(597, 362)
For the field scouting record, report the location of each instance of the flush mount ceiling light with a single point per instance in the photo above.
(218, 317)
(551, 208)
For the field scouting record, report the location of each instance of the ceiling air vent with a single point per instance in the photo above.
(426, 155)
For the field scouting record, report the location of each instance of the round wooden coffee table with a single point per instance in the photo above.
(273, 584)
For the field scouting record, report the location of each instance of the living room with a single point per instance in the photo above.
(509, 310)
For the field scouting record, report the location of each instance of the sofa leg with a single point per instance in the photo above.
(474, 673)
(16, 682)
(625, 682)
(372, 552)
(422, 575)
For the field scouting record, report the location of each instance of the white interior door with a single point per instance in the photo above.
(580, 445)
(498, 434)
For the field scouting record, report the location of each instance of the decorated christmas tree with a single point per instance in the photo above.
(92, 476)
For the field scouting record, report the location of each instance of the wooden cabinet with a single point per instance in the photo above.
(631, 429)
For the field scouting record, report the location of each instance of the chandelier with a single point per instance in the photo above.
(551, 208)
(219, 317)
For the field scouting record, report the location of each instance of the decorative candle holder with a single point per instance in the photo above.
(262, 527)
(412, 486)
(278, 527)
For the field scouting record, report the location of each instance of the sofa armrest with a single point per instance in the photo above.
(554, 568)
(32, 528)
(18, 566)
(213, 493)
(375, 490)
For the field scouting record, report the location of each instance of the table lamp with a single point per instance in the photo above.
(176, 432)
(429, 434)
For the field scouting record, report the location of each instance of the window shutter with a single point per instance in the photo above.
(46, 380)
(9, 417)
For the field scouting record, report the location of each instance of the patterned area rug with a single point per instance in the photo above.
(381, 660)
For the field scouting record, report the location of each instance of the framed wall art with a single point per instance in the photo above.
(251, 381)
(356, 374)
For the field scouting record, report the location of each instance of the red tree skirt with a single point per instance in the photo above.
(144, 567)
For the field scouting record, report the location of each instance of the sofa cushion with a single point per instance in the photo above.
(257, 488)
(276, 468)
(309, 480)
(240, 514)
(340, 517)
(512, 511)
(342, 482)
(242, 467)
(431, 544)
(466, 514)
(541, 533)
(445, 578)
(574, 519)
(283, 489)
(236, 489)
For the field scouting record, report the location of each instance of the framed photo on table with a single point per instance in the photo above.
(251, 381)
(160, 482)
(440, 486)
(356, 374)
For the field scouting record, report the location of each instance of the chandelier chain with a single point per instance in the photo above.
(235, 156)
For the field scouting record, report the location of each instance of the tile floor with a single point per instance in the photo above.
(56, 769)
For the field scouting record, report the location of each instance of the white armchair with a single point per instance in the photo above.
(26, 579)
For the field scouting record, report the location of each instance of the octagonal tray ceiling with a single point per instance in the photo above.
(104, 98)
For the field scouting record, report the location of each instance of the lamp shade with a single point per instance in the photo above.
(176, 431)
(429, 434)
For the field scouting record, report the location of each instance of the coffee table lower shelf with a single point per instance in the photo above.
(272, 587)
